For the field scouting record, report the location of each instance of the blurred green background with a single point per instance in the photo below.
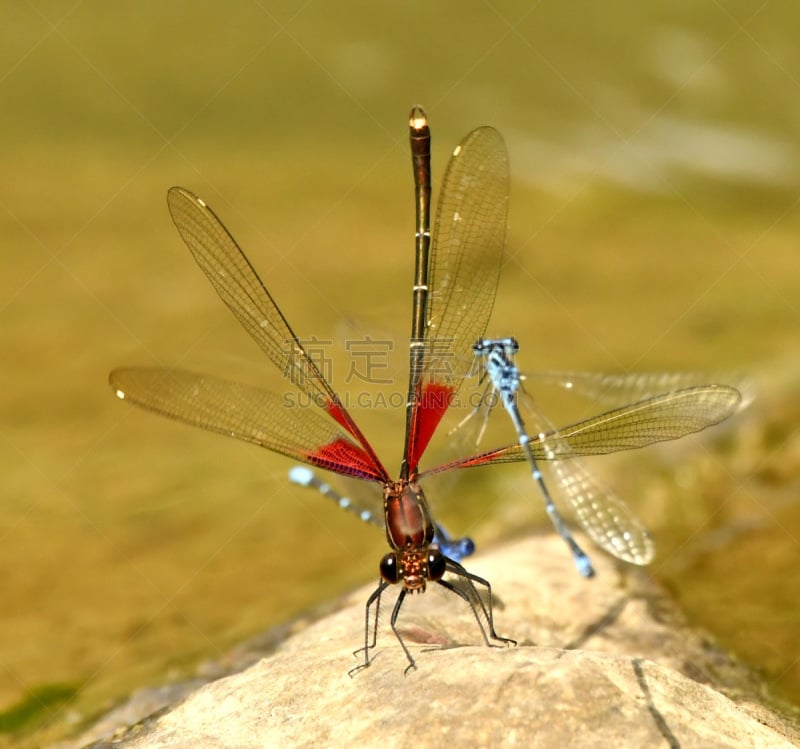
(654, 218)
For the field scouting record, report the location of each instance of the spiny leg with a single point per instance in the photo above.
(376, 599)
(473, 596)
(393, 621)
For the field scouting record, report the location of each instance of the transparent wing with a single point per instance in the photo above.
(658, 418)
(238, 285)
(622, 389)
(246, 413)
(467, 252)
(608, 521)
(466, 255)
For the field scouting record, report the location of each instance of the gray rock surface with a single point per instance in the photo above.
(606, 662)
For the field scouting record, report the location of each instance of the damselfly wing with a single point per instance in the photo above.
(609, 522)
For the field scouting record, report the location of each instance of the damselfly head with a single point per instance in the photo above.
(486, 346)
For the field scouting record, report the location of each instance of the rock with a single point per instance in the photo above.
(606, 662)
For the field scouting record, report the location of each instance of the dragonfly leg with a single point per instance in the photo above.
(393, 620)
(375, 598)
(474, 599)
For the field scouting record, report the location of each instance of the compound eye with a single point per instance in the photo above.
(390, 570)
(436, 565)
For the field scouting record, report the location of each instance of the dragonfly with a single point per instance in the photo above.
(456, 273)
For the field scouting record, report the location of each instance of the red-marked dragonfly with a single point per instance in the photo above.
(455, 280)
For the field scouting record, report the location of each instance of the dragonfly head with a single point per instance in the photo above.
(413, 567)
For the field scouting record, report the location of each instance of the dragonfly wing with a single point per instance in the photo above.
(667, 416)
(467, 252)
(467, 249)
(245, 413)
(238, 285)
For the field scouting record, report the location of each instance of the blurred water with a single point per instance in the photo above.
(655, 182)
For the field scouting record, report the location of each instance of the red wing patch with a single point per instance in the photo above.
(342, 456)
(434, 400)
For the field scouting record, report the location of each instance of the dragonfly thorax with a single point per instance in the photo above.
(408, 520)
